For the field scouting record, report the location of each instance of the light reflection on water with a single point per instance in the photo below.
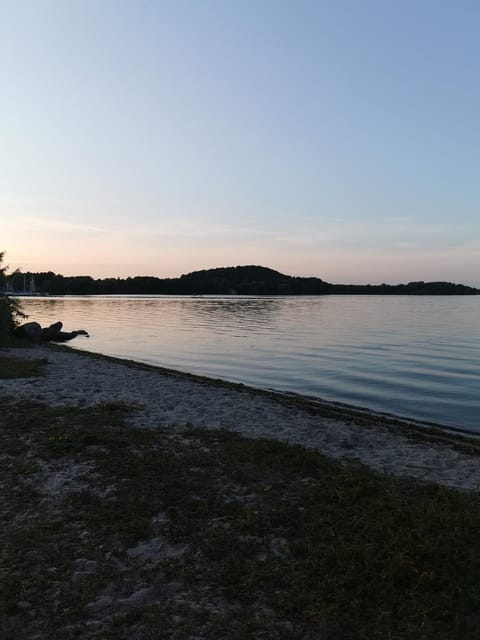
(414, 356)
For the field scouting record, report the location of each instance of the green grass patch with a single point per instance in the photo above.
(15, 368)
(255, 538)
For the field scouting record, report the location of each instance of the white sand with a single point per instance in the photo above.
(76, 379)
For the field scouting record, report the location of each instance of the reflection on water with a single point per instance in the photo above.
(415, 356)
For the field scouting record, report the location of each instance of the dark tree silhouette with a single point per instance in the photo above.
(10, 310)
(241, 280)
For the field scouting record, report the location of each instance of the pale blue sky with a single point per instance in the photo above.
(337, 139)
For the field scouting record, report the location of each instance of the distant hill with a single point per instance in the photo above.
(241, 280)
(245, 280)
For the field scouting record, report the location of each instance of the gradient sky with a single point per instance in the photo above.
(339, 139)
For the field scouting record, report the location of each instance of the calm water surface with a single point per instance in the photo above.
(413, 356)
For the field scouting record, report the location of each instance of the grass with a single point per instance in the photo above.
(15, 368)
(255, 538)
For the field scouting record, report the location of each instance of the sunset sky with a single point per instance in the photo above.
(339, 139)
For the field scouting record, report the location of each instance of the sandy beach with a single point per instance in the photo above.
(177, 400)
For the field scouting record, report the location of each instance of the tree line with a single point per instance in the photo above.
(241, 280)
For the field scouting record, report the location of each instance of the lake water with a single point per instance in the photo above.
(413, 356)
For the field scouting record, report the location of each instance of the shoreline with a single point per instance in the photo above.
(422, 371)
(169, 398)
(324, 407)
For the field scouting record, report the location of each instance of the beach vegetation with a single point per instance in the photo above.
(15, 368)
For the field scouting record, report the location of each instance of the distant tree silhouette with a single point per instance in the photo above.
(241, 280)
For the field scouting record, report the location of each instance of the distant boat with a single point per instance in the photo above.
(28, 287)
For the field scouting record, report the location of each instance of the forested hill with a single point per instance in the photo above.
(245, 280)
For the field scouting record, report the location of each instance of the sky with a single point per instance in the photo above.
(335, 139)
